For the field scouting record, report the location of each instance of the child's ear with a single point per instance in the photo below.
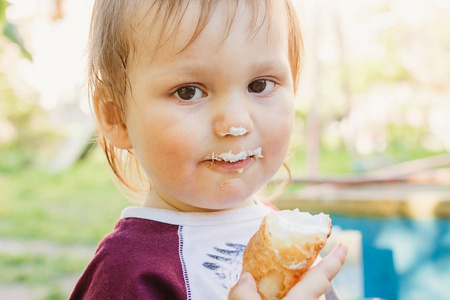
(110, 122)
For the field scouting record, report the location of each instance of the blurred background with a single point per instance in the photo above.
(371, 145)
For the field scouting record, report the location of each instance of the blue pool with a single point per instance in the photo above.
(403, 259)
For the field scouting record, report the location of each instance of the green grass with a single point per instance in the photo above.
(36, 269)
(41, 274)
(79, 205)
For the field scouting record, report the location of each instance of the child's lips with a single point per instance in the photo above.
(237, 165)
(234, 162)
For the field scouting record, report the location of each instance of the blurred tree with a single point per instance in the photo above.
(59, 12)
(26, 135)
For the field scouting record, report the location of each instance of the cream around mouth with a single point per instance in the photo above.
(231, 158)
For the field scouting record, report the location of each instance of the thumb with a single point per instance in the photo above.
(245, 289)
(316, 280)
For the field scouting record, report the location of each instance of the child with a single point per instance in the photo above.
(201, 94)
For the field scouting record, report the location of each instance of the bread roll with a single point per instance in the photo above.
(283, 249)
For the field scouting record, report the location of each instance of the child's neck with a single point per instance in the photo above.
(155, 200)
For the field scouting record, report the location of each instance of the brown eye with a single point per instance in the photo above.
(187, 93)
(261, 86)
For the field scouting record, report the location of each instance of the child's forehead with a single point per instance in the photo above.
(160, 23)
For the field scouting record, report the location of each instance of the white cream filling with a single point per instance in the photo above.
(230, 157)
(288, 227)
(289, 222)
(235, 131)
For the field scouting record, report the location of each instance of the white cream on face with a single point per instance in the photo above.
(230, 157)
(235, 131)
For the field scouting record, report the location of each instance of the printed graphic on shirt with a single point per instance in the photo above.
(226, 263)
(212, 257)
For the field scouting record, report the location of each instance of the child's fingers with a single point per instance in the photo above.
(245, 289)
(317, 280)
(312, 286)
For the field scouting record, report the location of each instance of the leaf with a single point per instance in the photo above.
(10, 32)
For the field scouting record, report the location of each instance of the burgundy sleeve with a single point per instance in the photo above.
(139, 260)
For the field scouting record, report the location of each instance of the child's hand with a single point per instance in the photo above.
(245, 289)
(312, 286)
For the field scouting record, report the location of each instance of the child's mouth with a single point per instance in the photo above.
(237, 165)
(239, 161)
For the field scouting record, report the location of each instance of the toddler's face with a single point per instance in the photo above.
(213, 97)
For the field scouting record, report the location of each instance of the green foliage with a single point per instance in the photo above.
(3, 6)
(404, 142)
(332, 161)
(33, 135)
(386, 70)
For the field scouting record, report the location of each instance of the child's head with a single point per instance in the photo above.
(178, 84)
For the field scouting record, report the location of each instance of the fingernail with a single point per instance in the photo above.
(244, 278)
(342, 247)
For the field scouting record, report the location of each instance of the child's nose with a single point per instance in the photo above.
(233, 118)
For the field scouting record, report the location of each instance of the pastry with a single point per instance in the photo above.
(283, 249)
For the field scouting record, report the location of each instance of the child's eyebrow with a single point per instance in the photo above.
(186, 69)
(269, 66)
(275, 64)
(195, 69)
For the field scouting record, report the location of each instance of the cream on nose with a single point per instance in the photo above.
(234, 131)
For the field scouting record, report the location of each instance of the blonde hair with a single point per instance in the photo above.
(112, 43)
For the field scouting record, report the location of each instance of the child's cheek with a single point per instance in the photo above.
(278, 125)
(172, 149)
